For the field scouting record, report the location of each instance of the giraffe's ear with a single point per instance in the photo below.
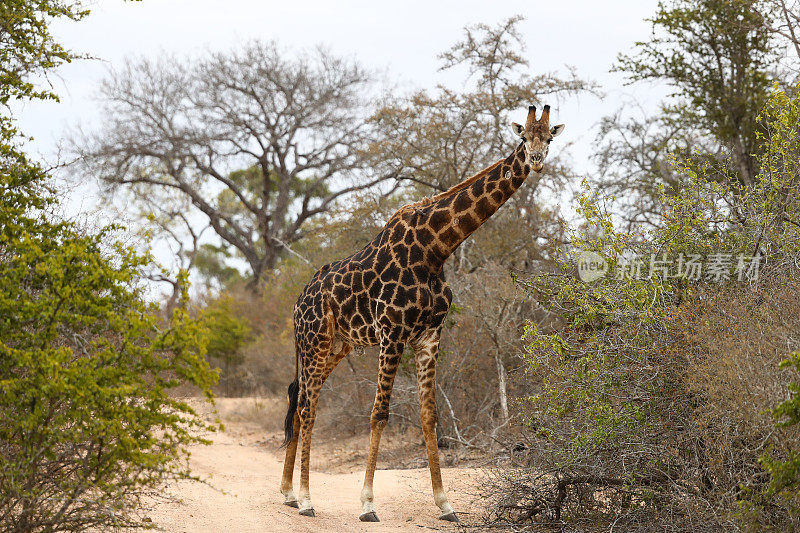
(556, 130)
(517, 128)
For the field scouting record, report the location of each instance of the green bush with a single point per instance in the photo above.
(88, 428)
(652, 397)
(228, 334)
(785, 472)
(87, 425)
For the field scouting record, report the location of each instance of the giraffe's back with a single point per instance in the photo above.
(384, 286)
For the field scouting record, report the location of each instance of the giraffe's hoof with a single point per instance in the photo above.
(292, 503)
(369, 517)
(450, 517)
(307, 512)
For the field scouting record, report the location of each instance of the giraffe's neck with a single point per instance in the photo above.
(454, 215)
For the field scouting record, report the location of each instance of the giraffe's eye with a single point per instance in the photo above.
(549, 141)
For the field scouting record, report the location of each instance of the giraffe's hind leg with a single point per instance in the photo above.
(291, 447)
(307, 407)
(288, 465)
(315, 369)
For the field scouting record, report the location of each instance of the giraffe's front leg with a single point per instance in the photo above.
(425, 358)
(387, 369)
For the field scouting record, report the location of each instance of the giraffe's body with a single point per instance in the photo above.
(393, 294)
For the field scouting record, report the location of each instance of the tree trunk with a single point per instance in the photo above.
(172, 303)
(501, 387)
(260, 267)
(743, 161)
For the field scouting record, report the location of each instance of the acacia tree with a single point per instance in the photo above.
(717, 56)
(259, 142)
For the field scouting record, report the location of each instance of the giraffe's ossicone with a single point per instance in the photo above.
(393, 294)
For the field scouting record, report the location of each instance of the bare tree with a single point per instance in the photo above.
(444, 136)
(786, 23)
(170, 224)
(635, 161)
(498, 312)
(257, 141)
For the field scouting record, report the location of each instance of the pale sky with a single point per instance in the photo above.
(401, 39)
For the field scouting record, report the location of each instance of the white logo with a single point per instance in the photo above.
(591, 266)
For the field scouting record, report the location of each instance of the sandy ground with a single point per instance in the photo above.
(243, 469)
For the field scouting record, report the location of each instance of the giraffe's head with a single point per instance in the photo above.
(536, 136)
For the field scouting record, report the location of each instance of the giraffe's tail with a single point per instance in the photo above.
(288, 424)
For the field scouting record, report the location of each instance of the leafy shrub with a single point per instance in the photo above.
(228, 334)
(88, 428)
(87, 425)
(652, 396)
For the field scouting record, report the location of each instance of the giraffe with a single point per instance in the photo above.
(393, 294)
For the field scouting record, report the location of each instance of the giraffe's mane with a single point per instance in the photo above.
(428, 200)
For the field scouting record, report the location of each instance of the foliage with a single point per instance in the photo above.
(88, 428)
(227, 332)
(27, 51)
(607, 382)
(719, 59)
(785, 474)
(228, 335)
(716, 55)
(652, 394)
(210, 263)
(88, 425)
(28, 48)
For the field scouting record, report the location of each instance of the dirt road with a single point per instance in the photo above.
(245, 470)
